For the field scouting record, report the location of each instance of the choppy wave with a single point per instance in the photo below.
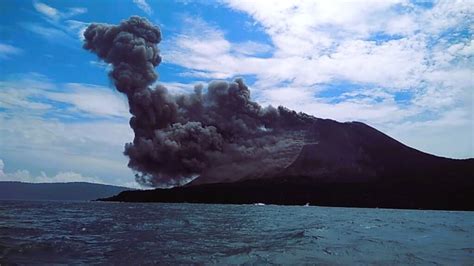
(97, 232)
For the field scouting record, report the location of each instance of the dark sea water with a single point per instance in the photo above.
(131, 233)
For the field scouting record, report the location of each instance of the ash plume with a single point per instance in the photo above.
(214, 132)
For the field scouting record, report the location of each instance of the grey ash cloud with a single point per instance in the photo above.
(214, 131)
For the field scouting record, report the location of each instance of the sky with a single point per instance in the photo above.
(403, 67)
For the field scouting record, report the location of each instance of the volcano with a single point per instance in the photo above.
(338, 164)
(242, 152)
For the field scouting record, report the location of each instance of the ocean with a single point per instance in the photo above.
(45, 232)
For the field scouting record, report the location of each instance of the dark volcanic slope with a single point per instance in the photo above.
(356, 152)
(343, 164)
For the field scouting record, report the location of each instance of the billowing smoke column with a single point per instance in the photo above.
(218, 132)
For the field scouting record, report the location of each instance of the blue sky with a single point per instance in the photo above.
(404, 67)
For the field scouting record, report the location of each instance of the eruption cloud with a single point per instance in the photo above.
(218, 132)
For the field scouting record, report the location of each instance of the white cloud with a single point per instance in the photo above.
(447, 14)
(73, 11)
(61, 177)
(144, 6)
(370, 105)
(331, 45)
(46, 10)
(92, 99)
(447, 88)
(6, 51)
(77, 27)
(50, 33)
(385, 47)
(92, 148)
(450, 135)
(15, 95)
(43, 128)
(299, 27)
(251, 48)
(58, 29)
(2, 166)
(54, 14)
(392, 64)
(178, 87)
(32, 93)
(212, 56)
(101, 64)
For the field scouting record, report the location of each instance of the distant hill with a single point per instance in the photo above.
(10, 190)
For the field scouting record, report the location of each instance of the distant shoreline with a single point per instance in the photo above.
(360, 195)
(80, 191)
